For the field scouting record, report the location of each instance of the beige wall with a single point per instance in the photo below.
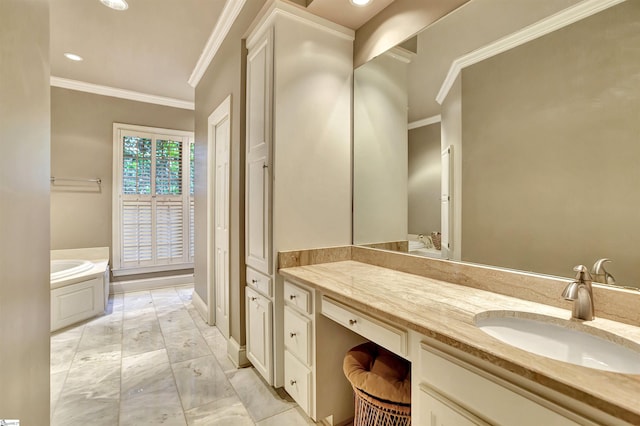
(424, 170)
(550, 166)
(82, 147)
(396, 23)
(380, 151)
(24, 211)
(225, 75)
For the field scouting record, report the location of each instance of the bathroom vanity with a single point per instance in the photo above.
(460, 374)
(295, 184)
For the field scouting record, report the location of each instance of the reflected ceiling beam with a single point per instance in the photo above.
(424, 122)
(545, 26)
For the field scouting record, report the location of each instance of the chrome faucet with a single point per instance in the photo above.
(580, 292)
(600, 275)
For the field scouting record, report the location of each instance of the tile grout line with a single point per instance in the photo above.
(66, 371)
(121, 355)
(173, 375)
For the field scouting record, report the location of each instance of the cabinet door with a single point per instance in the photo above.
(258, 176)
(259, 333)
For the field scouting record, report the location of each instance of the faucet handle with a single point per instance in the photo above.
(582, 273)
(600, 274)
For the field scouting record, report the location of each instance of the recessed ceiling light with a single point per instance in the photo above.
(115, 4)
(73, 56)
(360, 2)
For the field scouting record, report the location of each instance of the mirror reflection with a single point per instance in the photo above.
(529, 161)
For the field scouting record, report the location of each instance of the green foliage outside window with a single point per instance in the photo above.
(137, 166)
(168, 167)
(192, 167)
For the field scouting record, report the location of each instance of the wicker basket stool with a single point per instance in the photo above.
(381, 382)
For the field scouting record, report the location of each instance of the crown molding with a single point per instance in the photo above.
(228, 16)
(120, 93)
(275, 8)
(424, 122)
(545, 26)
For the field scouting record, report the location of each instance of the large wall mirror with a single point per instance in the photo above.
(530, 157)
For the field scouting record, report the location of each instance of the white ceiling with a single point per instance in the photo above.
(152, 47)
(344, 13)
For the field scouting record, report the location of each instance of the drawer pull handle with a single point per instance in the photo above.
(292, 335)
(292, 382)
(352, 321)
(253, 299)
(292, 296)
(254, 281)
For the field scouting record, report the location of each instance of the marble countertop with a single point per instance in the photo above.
(446, 312)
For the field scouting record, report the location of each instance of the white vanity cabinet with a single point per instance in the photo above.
(259, 332)
(314, 349)
(298, 336)
(298, 151)
(449, 391)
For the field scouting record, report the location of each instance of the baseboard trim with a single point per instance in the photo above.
(118, 287)
(201, 306)
(237, 354)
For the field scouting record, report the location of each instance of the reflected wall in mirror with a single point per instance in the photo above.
(546, 161)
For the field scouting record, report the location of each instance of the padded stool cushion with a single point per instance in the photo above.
(379, 373)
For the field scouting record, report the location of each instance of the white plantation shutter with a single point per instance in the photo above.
(137, 240)
(169, 231)
(192, 229)
(192, 204)
(153, 205)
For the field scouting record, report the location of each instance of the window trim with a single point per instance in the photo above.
(117, 186)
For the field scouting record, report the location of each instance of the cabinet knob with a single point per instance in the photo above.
(264, 166)
(253, 299)
(254, 281)
(292, 382)
(292, 335)
(352, 322)
(292, 296)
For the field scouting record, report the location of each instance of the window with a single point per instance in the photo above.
(153, 199)
(192, 210)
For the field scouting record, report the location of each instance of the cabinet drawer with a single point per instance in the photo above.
(297, 381)
(479, 395)
(297, 296)
(297, 335)
(437, 410)
(259, 282)
(386, 335)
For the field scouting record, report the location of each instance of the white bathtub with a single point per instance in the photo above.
(67, 267)
(79, 290)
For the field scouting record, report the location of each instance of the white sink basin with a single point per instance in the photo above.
(562, 340)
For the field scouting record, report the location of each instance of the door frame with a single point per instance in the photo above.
(222, 112)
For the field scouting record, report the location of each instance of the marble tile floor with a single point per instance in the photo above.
(152, 360)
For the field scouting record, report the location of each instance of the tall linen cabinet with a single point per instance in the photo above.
(298, 159)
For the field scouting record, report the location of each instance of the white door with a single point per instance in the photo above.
(446, 210)
(219, 143)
